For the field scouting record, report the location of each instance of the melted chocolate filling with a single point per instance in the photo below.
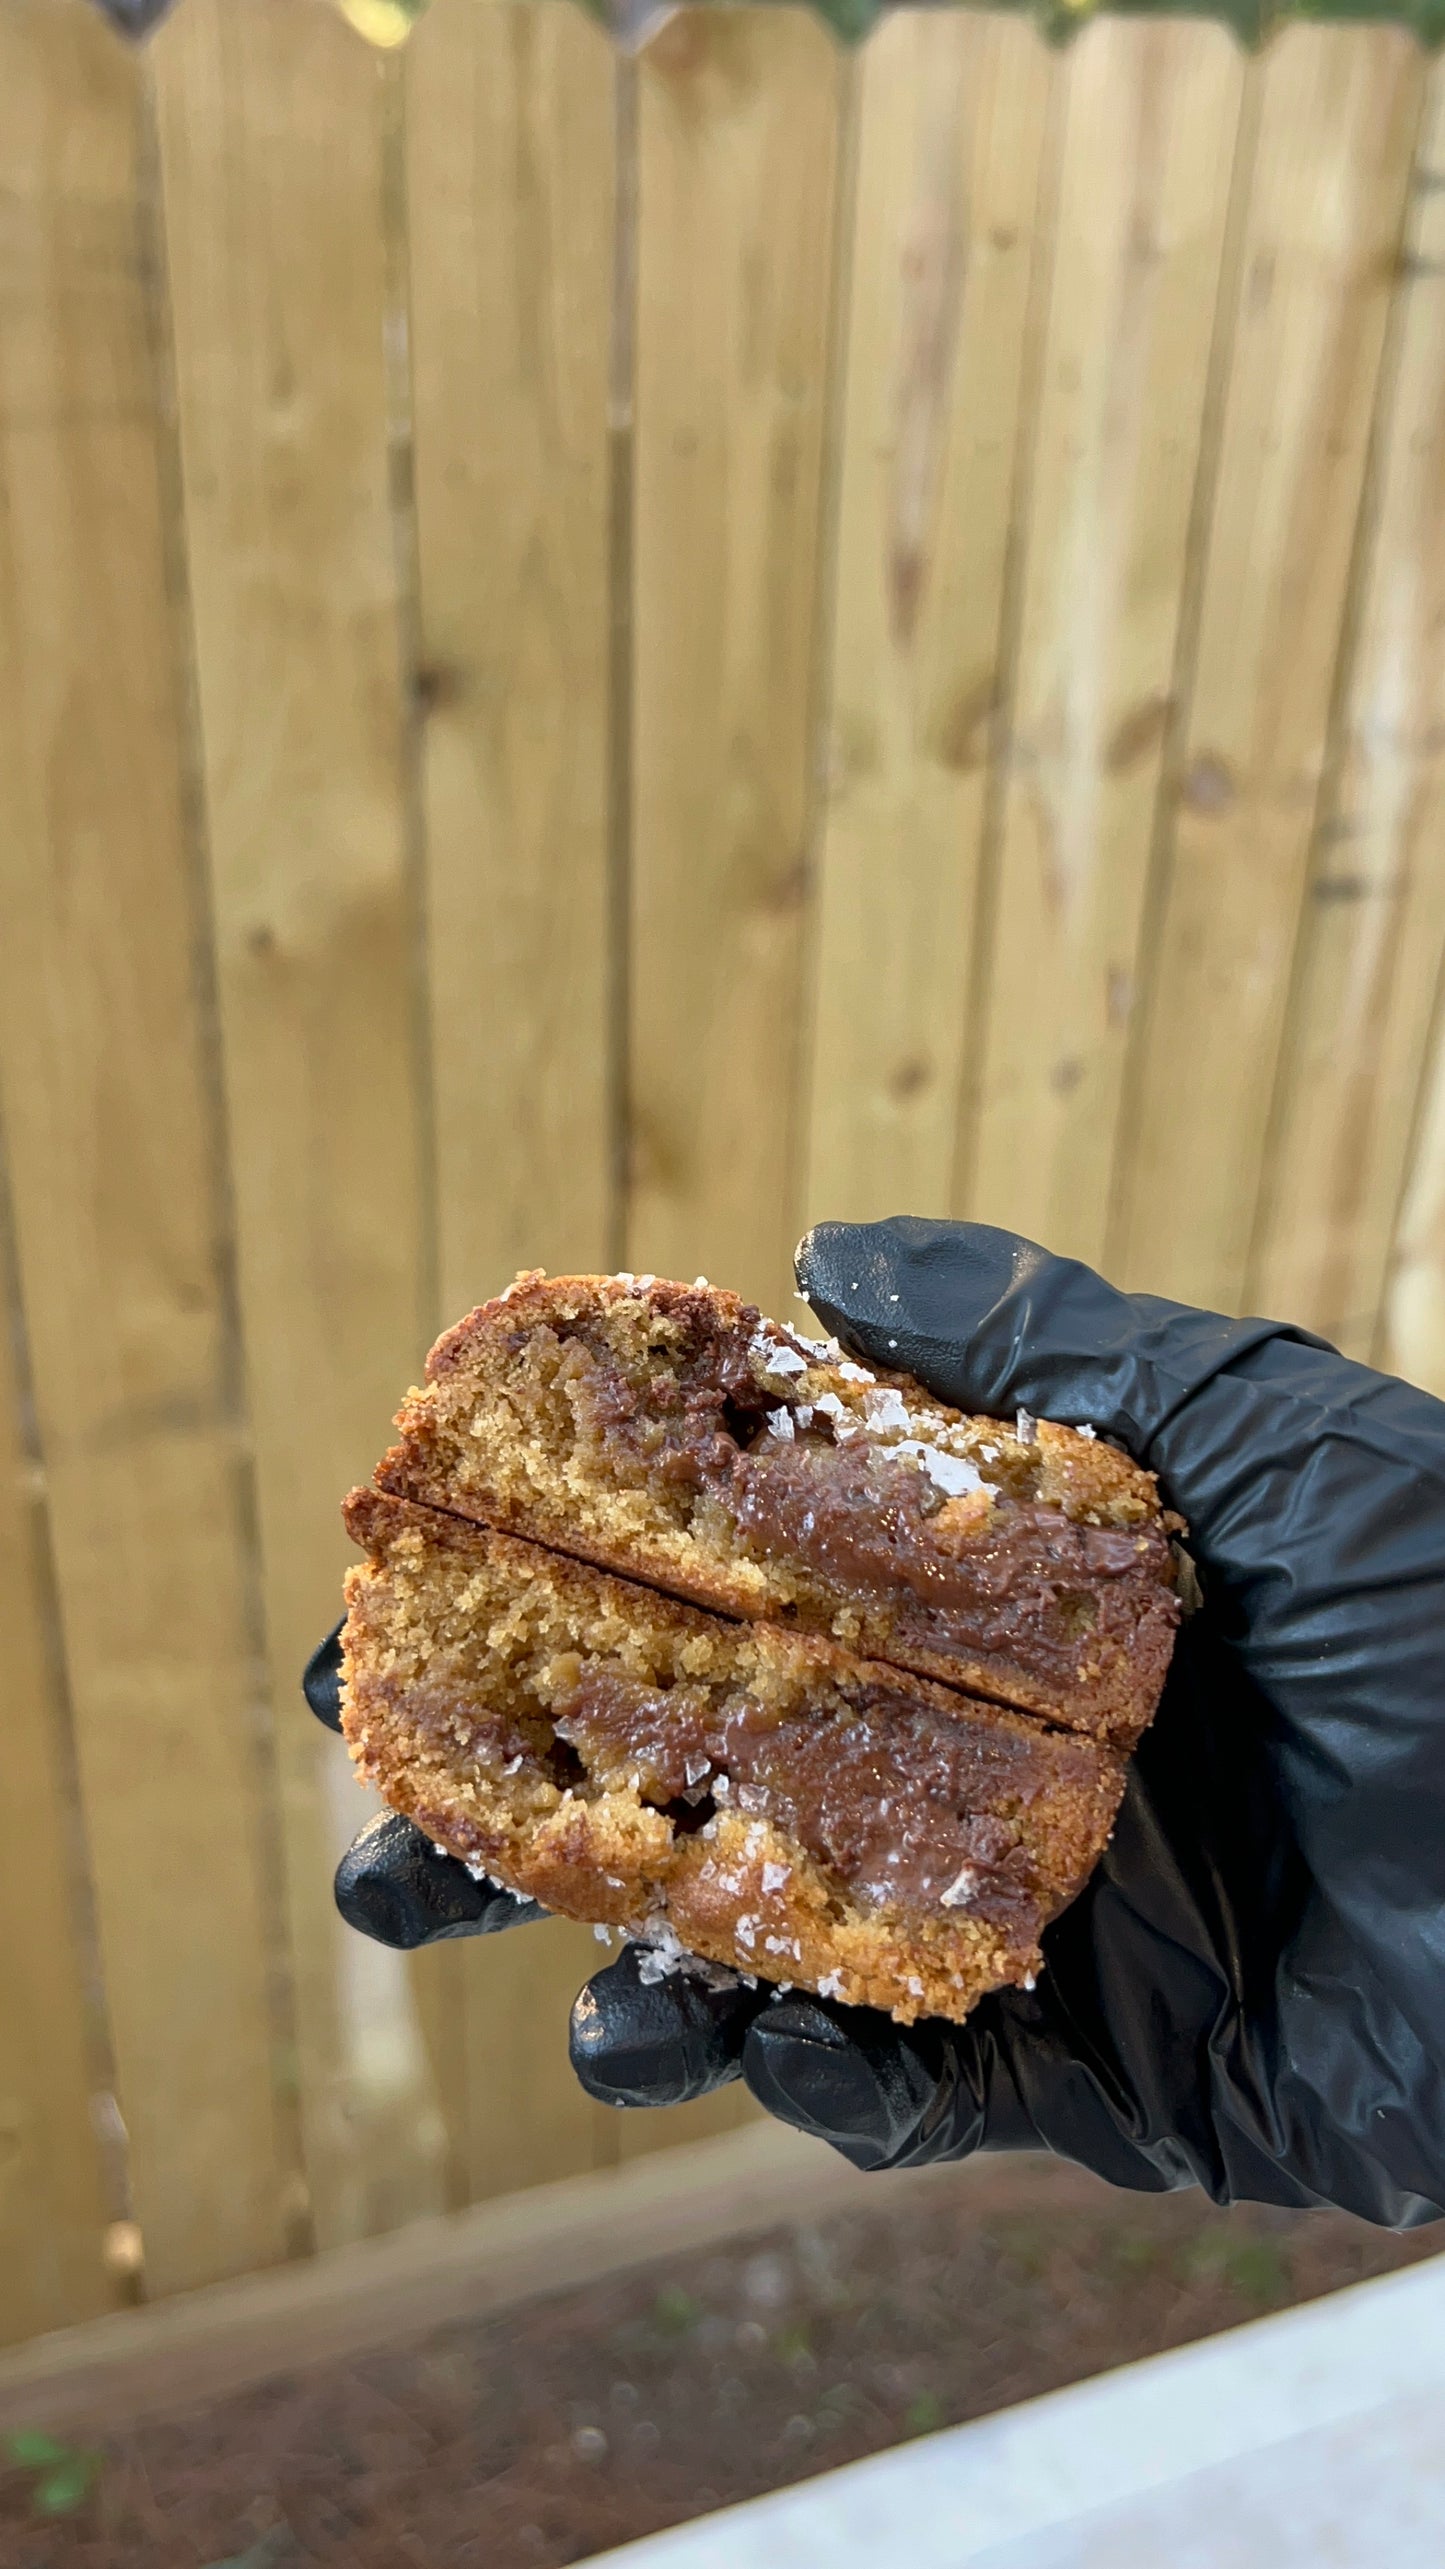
(903, 1803)
(1029, 1584)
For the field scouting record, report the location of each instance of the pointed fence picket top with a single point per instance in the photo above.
(135, 17)
(634, 23)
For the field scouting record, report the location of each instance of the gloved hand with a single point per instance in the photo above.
(1250, 1993)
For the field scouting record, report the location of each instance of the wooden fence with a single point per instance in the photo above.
(601, 658)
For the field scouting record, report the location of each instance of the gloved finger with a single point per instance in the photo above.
(885, 2095)
(990, 1321)
(645, 2041)
(882, 2094)
(892, 2096)
(395, 1886)
(321, 1680)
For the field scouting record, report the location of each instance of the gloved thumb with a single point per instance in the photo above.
(992, 1322)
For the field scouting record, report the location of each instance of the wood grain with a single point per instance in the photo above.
(52, 2198)
(1374, 927)
(510, 189)
(1147, 148)
(114, 1158)
(738, 126)
(273, 165)
(952, 118)
(1409, 1334)
(1339, 111)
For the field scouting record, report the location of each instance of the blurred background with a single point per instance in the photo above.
(605, 654)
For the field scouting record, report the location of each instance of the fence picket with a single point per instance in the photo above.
(114, 1165)
(953, 117)
(510, 154)
(1339, 110)
(271, 137)
(1147, 148)
(738, 149)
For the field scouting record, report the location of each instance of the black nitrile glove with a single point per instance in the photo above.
(1250, 1993)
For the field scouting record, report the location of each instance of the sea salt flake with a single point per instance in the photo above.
(1026, 1428)
(962, 1888)
(776, 1357)
(852, 1373)
(603, 1935)
(952, 1473)
(1086, 1430)
(697, 1769)
(915, 1987)
(747, 1932)
(1031, 1980)
(804, 1414)
(886, 1409)
(831, 1985)
(780, 1424)
(662, 1953)
(774, 1876)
